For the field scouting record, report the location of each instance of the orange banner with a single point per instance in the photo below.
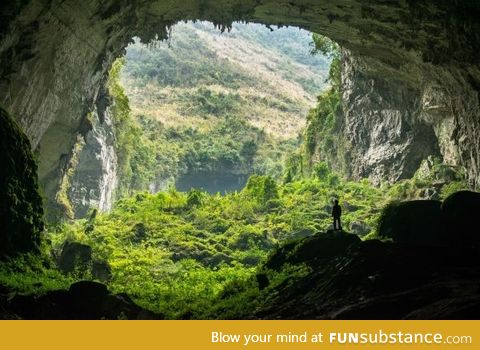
(328, 335)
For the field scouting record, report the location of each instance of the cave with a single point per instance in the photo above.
(404, 62)
(410, 77)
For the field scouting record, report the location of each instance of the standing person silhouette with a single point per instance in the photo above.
(336, 214)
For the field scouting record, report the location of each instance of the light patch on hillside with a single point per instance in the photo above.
(272, 76)
(262, 63)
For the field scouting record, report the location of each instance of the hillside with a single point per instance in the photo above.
(221, 103)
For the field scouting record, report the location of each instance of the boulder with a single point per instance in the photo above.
(359, 228)
(75, 257)
(321, 246)
(459, 212)
(413, 222)
(92, 300)
(84, 300)
(101, 271)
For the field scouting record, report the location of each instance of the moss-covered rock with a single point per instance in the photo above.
(321, 246)
(21, 210)
(417, 222)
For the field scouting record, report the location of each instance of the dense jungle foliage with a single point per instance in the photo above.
(196, 255)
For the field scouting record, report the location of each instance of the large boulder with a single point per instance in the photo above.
(21, 208)
(75, 257)
(321, 246)
(415, 222)
(459, 212)
(92, 300)
(359, 228)
(101, 271)
(85, 300)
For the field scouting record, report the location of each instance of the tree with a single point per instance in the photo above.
(329, 48)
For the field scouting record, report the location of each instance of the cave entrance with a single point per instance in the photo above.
(412, 74)
(210, 108)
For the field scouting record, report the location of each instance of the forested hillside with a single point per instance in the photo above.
(216, 107)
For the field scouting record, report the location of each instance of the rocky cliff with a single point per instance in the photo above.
(380, 131)
(55, 54)
(21, 212)
(387, 127)
(95, 178)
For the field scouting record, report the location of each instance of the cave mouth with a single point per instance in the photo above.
(218, 106)
(404, 67)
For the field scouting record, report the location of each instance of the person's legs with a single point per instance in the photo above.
(335, 223)
(339, 224)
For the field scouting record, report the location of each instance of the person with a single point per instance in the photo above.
(337, 213)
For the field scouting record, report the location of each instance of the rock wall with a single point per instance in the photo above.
(387, 138)
(95, 178)
(21, 211)
(55, 54)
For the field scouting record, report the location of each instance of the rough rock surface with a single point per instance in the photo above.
(382, 126)
(21, 212)
(375, 280)
(54, 56)
(77, 258)
(84, 300)
(94, 178)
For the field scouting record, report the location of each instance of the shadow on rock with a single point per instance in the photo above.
(84, 300)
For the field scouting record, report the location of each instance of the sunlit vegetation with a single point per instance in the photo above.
(175, 252)
(195, 255)
(214, 103)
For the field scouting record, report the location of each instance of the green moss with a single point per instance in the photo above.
(64, 204)
(324, 141)
(21, 212)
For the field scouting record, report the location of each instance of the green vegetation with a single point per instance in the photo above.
(324, 122)
(432, 175)
(195, 255)
(175, 252)
(32, 274)
(130, 145)
(202, 110)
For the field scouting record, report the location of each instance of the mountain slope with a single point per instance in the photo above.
(214, 108)
(270, 75)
